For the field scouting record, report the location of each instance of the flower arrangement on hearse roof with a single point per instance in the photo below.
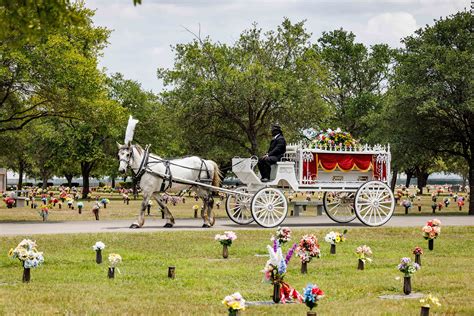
(333, 138)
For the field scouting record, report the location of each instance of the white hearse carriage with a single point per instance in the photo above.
(353, 179)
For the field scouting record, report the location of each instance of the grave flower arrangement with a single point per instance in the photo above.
(98, 247)
(275, 271)
(408, 268)
(44, 212)
(364, 253)
(308, 248)
(226, 241)
(334, 238)
(431, 231)
(114, 260)
(429, 300)
(331, 138)
(312, 294)
(234, 303)
(105, 201)
(283, 235)
(9, 201)
(30, 257)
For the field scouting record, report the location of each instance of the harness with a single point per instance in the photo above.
(167, 177)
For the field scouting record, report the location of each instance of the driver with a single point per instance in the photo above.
(274, 154)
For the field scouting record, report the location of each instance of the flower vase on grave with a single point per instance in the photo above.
(418, 259)
(425, 311)
(430, 244)
(406, 210)
(304, 267)
(407, 285)
(333, 249)
(111, 273)
(276, 297)
(9, 205)
(233, 312)
(225, 252)
(79, 208)
(26, 275)
(361, 265)
(98, 256)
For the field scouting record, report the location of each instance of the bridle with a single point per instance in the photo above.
(129, 148)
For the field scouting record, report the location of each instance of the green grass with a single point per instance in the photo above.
(118, 210)
(70, 282)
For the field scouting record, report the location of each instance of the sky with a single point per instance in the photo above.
(143, 36)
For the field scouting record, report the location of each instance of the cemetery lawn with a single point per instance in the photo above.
(70, 282)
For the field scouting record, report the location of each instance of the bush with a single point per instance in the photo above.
(73, 184)
(101, 184)
(49, 184)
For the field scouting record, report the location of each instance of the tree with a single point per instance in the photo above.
(225, 97)
(433, 86)
(47, 71)
(357, 80)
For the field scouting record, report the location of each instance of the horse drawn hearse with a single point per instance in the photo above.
(353, 178)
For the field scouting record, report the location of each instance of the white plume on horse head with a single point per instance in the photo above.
(130, 130)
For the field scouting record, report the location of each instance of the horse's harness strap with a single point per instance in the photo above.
(167, 176)
(143, 164)
(203, 164)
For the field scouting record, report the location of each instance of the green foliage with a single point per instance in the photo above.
(433, 89)
(227, 96)
(47, 71)
(357, 80)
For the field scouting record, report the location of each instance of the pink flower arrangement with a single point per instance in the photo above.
(308, 248)
(417, 251)
(9, 200)
(432, 229)
(283, 235)
(227, 238)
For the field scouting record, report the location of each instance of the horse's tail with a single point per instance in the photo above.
(216, 177)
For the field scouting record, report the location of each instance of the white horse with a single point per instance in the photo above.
(158, 175)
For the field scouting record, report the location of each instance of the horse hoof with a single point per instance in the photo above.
(134, 226)
(206, 226)
(168, 225)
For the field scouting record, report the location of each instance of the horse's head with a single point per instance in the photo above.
(125, 156)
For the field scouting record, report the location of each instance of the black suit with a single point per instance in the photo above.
(275, 152)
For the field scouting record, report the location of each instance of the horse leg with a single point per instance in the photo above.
(210, 211)
(141, 216)
(204, 213)
(169, 217)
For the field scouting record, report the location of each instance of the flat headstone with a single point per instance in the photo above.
(260, 303)
(413, 295)
(264, 255)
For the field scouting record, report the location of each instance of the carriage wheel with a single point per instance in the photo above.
(238, 207)
(339, 206)
(374, 203)
(269, 207)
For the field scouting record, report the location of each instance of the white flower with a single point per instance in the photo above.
(330, 237)
(98, 246)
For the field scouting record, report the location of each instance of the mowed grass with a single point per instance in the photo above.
(118, 210)
(70, 282)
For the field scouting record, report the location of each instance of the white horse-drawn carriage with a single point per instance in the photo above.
(353, 179)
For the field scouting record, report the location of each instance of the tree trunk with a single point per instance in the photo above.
(422, 178)
(409, 172)
(86, 168)
(21, 169)
(113, 182)
(44, 176)
(471, 186)
(394, 179)
(69, 179)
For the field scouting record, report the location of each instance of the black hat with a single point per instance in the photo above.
(276, 127)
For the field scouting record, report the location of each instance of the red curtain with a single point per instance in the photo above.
(345, 162)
